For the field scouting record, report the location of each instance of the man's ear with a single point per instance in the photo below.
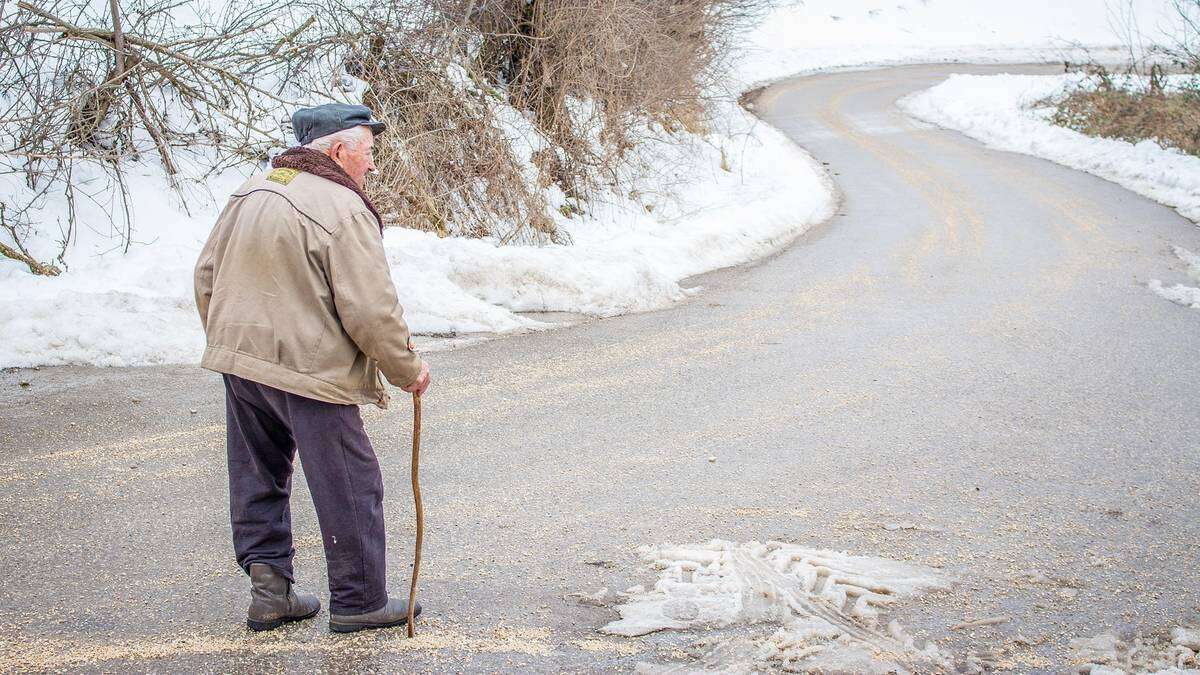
(335, 153)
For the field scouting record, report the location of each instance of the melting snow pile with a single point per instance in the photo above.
(1107, 654)
(736, 194)
(1182, 294)
(1002, 111)
(823, 606)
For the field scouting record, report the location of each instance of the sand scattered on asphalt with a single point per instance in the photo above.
(608, 647)
(133, 449)
(56, 654)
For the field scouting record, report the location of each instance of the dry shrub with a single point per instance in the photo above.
(594, 73)
(106, 83)
(591, 75)
(1172, 118)
(592, 78)
(445, 165)
(447, 168)
(1137, 103)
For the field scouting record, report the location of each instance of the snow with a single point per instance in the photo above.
(631, 253)
(779, 607)
(1002, 111)
(813, 610)
(1110, 654)
(816, 35)
(1182, 294)
(112, 308)
(136, 308)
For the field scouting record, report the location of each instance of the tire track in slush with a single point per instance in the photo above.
(801, 604)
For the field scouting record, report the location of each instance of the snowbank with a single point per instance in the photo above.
(136, 308)
(1001, 111)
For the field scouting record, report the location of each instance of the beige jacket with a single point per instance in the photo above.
(294, 292)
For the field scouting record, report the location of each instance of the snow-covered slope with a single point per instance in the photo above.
(811, 35)
(136, 308)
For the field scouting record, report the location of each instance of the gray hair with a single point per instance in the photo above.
(352, 137)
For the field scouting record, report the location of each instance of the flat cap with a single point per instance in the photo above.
(310, 124)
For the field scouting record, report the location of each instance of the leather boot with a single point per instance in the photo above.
(273, 600)
(393, 613)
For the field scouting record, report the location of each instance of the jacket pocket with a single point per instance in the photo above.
(311, 361)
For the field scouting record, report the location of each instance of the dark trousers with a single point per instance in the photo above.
(265, 428)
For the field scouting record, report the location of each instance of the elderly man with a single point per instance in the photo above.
(301, 316)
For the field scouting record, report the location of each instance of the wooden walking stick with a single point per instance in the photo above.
(416, 486)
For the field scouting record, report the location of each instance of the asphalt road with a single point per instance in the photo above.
(968, 347)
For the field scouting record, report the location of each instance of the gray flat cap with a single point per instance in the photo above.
(310, 124)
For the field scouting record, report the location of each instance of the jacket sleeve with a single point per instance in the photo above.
(203, 278)
(204, 275)
(365, 299)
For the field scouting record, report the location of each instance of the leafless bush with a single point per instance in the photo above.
(82, 85)
(1172, 118)
(593, 73)
(1184, 51)
(592, 77)
(446, 165)
(1139, 101)
(17, 226)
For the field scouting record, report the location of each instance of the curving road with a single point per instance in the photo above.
(963, 368)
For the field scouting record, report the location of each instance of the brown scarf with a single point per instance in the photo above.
(319, 164)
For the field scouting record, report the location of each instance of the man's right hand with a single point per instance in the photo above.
(420, 384)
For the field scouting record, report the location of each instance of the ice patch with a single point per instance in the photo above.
(1181, 294)
(1186, 637)
(1108, 654)
(824, 605)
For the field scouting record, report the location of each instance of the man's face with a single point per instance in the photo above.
(357, 161)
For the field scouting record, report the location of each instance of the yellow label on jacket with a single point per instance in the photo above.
(282, 176)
